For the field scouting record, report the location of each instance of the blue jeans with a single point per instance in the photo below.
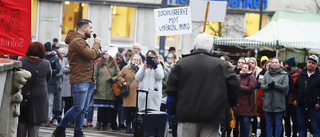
(121, 117)
(275, 117)
(51, 100)
(91, 108)
(81, 100)
(244, 125)
(303, 116)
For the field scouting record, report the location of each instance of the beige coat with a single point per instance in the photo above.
(127, 74)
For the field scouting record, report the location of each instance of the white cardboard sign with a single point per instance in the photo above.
(216, 13)
(173, 21)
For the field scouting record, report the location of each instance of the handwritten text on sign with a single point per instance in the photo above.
(173, 21)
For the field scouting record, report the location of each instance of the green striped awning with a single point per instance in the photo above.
(288, 29)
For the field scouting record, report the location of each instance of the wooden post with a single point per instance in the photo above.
(205, 20)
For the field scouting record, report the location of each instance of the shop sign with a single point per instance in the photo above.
(253, 4)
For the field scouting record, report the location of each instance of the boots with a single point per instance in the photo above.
(58, 133)
(128, 129)
(98, 126)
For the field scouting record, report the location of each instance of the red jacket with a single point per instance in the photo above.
(245, 104)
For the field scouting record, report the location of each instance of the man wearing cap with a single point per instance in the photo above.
(294, 71)
(80, 57)
(307, 97)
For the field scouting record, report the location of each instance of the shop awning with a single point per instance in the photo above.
(288, 29)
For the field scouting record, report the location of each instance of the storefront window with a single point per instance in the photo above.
(123, 25)
(34, 12)
(215, 28)
(72, 13)
(171, 41)
(252, 23)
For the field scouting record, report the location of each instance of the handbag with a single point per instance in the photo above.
(24, 103)
(124, 91)
(115, 87)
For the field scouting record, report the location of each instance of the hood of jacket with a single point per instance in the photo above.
(49, 56)
(72, 34)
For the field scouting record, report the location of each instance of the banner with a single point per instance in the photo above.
(172, 21)
(15, 26)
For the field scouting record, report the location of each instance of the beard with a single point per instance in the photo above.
(87, 35)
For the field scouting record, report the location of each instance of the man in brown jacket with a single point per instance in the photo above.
(80, 58)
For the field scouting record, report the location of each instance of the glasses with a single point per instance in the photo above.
(170, 57)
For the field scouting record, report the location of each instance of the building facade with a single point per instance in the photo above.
(124, 22)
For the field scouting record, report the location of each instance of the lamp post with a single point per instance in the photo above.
(164, 4)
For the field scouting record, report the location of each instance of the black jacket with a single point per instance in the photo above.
(55, 66)
(122, 64)
(307, 92)
(205, 87)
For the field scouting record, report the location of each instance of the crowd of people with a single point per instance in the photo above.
(200, 92)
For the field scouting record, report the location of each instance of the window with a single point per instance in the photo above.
(34, 12)
(215, 28)
(171, 41)
(72, 13)
(252, 22)
(123, 25)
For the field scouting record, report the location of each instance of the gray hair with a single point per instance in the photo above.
(137, 44)
(203, 41)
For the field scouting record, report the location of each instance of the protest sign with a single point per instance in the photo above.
(172, 21)
(216, 13)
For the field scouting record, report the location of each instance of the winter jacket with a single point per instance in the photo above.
(81, 57)
(38, 102)
(274, 97)
(66, 86)
(150, 80)
(245, 104)
(56, 67)
(127, 74)
(122, 63)
(205, 87)
(103, 88)
(307, 92)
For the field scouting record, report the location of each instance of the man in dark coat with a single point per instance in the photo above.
(205, 87)
(52, 83)
(307, 97)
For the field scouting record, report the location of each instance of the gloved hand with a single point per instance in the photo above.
(110, 80)
(271, 85)
(153, 64)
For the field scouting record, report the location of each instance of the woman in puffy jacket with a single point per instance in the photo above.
(245, 106)
(150, 76)
(274, 84)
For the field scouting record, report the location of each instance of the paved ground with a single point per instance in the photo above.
(89, 132)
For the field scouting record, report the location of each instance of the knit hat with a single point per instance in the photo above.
(62, 50)
(291, 62)
(47, 46)
(263, 60)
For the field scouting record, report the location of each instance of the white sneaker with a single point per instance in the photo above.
(55, 122)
